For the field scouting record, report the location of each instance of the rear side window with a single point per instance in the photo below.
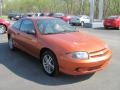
(26, 25)
(17, 24)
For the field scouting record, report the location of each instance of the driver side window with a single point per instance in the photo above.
(26, 26)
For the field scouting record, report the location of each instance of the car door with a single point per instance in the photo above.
(28, 38)
(15, 32)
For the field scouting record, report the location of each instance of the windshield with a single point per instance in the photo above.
(53, 26)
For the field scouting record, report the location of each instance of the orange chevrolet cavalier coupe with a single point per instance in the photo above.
(59, 46)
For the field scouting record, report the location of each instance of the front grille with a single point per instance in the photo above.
(99, 53)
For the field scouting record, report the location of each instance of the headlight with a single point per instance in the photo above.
(80, 55)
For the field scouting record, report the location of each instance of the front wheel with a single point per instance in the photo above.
(49, 63)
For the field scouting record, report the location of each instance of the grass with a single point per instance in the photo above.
(4, 17)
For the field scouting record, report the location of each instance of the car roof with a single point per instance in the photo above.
(37, 18)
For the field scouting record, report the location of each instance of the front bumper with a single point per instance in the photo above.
(79, 67)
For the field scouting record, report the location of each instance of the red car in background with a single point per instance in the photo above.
(112, 22)
(66, 18)
(3, 25)
(62, 16)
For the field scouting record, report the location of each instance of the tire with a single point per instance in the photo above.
(49, 63)
(10, 43)
(2, 29)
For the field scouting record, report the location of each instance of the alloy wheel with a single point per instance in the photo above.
(48, 64)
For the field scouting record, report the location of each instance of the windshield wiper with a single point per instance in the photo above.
(69, 31)
(65, 31)
(49, 33)
(52, 33)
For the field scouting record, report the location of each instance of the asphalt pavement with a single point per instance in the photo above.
(20, 71)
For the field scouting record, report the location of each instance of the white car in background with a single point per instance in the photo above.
(84, 19)
(37, 14)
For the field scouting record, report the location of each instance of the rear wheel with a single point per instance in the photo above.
(10, 43)
(2, 29)
(49, 63)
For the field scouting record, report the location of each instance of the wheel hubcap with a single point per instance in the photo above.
(48, 64)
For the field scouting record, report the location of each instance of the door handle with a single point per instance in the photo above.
(29, 38)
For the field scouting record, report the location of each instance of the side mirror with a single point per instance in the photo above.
(31, 32)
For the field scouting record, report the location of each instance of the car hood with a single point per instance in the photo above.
(76, 41)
